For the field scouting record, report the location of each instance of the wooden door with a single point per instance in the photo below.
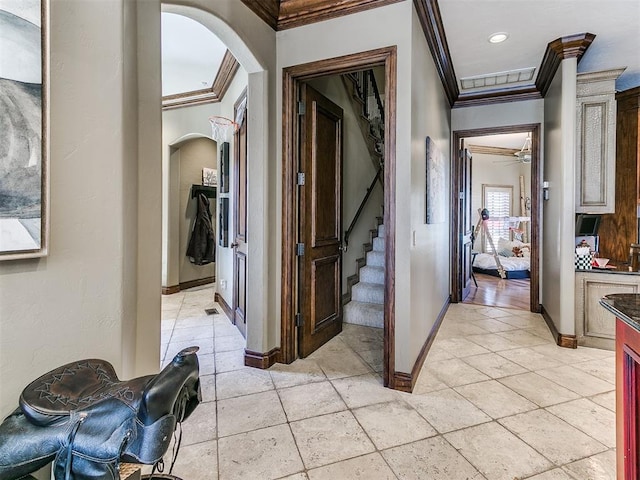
(320, 222)
(239, 244)
(466, 225)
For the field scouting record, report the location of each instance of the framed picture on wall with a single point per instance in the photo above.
(435, 184)
(24, 109)
(224, 168)
(223, 222)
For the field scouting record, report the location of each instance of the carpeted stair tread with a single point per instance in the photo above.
(362, 313)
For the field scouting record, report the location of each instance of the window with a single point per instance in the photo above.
(498, 200)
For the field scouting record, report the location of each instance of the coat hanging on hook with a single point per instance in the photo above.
(202, 245)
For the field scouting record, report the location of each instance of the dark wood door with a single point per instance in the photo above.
(240, 218)
(320, 221)
(466, 225)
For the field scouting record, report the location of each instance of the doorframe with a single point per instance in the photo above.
(536, 211)
(292, 77)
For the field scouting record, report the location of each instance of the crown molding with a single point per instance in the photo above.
(433, 28)
(228, 68)
(572, 46)
(295, 13)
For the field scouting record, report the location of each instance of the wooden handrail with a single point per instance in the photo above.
(360, 208)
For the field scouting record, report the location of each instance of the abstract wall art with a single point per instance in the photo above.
(23, 129)
(435, 184)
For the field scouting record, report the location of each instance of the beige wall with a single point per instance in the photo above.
(194, 155)
(427, 246)
(85, 298)
(558, 290)
(358, 172)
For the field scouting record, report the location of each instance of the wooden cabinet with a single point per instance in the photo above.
(618, 231)
(595, 326)
(596, 141)
(627, 400)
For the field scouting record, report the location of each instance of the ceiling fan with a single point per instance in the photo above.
(522, 156)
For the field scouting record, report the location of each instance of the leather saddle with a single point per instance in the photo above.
(86, 420)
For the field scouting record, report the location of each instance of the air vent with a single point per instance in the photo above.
(497, 79)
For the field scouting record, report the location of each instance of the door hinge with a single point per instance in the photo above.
(301, 178)
(299, 321)
(461, 195)
(302, 108)
(300, 249)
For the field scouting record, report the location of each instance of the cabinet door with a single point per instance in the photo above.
(595, 154)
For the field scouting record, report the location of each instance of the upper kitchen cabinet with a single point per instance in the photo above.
(596, 141)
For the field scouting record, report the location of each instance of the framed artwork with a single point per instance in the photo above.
(209, 177)
(435, 184)
(223, 222)
(224, 167)
(24, 166)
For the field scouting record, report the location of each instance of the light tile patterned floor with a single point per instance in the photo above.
(496, 400)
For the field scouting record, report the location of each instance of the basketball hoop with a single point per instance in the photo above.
(222, 128)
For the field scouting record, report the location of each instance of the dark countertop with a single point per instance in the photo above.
(620, 268)
(625, 306)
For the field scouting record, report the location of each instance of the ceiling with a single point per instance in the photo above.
(531, 26)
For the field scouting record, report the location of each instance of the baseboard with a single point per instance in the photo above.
(224, 305)
(261, 360)
(170, 290)
(405, 382)
(186, 285)
(562, 339)
(196, 283)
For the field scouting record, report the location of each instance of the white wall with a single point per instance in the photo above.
(428, 245)
(357, 173)
(498, 115)
(180, 125)
(497, 170)
(85, 299)
(558, 290)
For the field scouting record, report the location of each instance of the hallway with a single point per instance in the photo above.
(496, 399)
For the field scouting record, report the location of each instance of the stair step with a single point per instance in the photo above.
(381, 230)
(378, 244)
(368, 292)
(361, 313)
(375, 259)
(370, 274)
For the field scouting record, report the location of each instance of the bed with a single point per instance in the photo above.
(514, 266)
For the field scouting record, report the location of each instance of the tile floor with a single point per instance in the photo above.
(496, 400)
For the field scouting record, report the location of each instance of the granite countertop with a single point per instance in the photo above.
(625, 306)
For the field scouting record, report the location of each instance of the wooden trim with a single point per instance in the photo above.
(224, 305)
(433, 28)
(261, 360)
(227, 70)
(170, 290)
(494, 96)
(561, 339)
(196, 283)
(405, 382)
(267, 10)
(536, 202)
(186, 285)
(295, 13)
(292, 77)
(561, 48)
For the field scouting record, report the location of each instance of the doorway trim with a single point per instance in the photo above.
(536, 221)
(292, 77)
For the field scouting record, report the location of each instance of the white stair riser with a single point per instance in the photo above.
(378, 244)
(371, 274)
(381, 230)
(368, 293)
(375, 259)
(364, 314)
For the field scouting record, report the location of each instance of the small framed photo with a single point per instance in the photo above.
(209, 177)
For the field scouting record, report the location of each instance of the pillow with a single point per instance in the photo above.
(504, 248)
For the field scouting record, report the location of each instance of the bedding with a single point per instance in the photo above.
(515, 267)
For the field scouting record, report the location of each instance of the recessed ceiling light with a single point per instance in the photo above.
(498, 37)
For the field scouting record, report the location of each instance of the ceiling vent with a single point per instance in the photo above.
(498, 79)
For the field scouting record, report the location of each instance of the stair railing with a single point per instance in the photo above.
(347, 234)
(372, 108)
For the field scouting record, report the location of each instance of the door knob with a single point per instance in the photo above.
(234, 245)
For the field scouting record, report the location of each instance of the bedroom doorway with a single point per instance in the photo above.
(495, 230)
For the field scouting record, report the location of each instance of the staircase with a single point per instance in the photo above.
(366, 306)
